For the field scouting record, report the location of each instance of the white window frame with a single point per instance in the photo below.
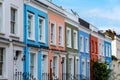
(15, 31)
(43, 30)
(88, 62)
(109, 47)
(35, 64)
(46, 54)
(62, 56)
(84, 67)
(102, 49)
(1, 17)
(60, 41)
(77, 66)
(4, 64)
(107, 50)
(32, 37)
(56, 70)
(87, 44)
(72, 64)
(81, 45)
(54, 33)
(75, 41)
(68, 38)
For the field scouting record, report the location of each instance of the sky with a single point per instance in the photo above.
(104, 14)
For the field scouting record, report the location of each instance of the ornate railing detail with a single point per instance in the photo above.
(46, 76)
(23, 76)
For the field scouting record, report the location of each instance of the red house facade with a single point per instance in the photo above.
(93, 51)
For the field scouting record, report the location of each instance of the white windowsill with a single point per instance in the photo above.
(13, 36)
(42, 41)
(31, 39)
(2, 34)
(61, 45)
(81, 50)
(69, 46)
(3, 78)
(75, 48)
(53, 44)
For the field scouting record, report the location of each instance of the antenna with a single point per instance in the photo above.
(75, 13)
(50, 0)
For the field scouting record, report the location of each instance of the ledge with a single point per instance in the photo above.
(4, 40)
(14, 37)
(18, 43)
(2, 34)
(1, 78)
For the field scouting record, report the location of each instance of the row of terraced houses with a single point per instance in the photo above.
(42, 41)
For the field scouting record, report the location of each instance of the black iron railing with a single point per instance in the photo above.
(77, 77)
(83, 77)
(67, 76)
(23, 76)
(45, 76)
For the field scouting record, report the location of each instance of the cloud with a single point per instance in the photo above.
(112, 14)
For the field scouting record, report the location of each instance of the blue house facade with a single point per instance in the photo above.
(108, 53)
(36, 40)
(83, 47)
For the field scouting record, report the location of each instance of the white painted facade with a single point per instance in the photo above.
(11, 43)
(101, 48)
(93, 28)
(116, 53)
(71, 65)
(71, 18)
(116, 47)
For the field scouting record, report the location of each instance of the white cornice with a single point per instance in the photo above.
(108, 39)
(84, 29)
(56, 11)
(4, 42)
(53, 7)
(19, 44)
(72, 22)
(39, 4)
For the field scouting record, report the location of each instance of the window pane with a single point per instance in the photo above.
(52, 33)
(0, 68)
(92, 46)
(55, 66)
(81, 44)
(40, 28)
(70, 66)
(1, 60)
(12, 27)
(30, 24)
(75, 38)
(32, 63)
(0, 16)
(87, 45)
(13, 20)
(68, 32)
(60, 35)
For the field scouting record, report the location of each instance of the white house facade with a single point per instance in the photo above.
(116, 53)
(11, 38)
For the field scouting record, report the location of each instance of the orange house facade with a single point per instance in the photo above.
(93, 51)
(56, 42)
